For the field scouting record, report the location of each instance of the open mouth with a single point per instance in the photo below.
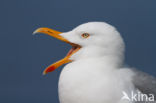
(73, 50)
(66, 59)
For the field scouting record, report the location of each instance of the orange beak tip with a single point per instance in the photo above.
(48, 69)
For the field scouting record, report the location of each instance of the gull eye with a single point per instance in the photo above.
(85, 35)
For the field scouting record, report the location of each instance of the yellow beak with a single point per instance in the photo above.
(66, 59)
(50, 32)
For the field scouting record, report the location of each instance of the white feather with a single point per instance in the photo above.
(96, 75)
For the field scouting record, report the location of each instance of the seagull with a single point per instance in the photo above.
(95, 71)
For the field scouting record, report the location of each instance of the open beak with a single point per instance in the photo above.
(66, 59)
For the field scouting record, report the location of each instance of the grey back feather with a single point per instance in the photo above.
(144, 82)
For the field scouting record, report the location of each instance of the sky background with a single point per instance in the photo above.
(23, 56)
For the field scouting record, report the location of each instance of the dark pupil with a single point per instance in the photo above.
(85, 34)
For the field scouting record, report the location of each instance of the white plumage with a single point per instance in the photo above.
(97, 74)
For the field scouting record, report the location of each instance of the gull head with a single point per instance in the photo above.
(88, 40)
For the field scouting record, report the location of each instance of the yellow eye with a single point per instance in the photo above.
(85, 35)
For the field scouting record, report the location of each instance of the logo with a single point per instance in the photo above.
(137, 96)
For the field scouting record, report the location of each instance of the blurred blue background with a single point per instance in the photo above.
(23, 56)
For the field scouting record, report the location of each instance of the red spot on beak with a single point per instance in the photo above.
(49, 69)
